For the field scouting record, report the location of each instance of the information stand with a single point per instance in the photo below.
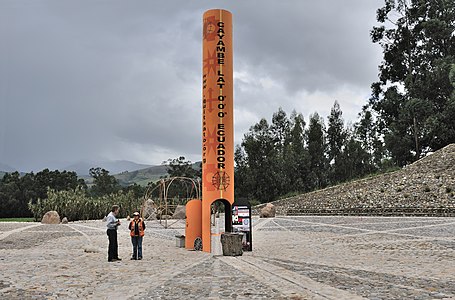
(242, 223)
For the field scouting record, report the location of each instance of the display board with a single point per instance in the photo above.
(242, 223)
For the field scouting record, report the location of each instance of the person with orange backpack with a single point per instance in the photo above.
(137, 227)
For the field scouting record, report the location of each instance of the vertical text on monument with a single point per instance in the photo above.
(217, 106)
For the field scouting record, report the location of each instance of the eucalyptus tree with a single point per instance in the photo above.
(336, 136)
(261, 156)
(366, 132)
(280, 131)
(317, 147)
(297, 159)
(413, 95)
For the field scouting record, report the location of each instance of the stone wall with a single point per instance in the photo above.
(425, 188)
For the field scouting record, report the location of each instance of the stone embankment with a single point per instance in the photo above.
(424, 188)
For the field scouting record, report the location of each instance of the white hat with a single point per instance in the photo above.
(135, 213)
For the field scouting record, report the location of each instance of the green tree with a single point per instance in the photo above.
(336, 138)
(180, 167)
(16, 190)
(354, 159)
(296, 158)
(261, 155)
(12, 198)
(413, 95)
(137, 190)
(243, 176)
(104, 184)
(366, 132)
(280, 131)
(280, 128)
(318, 162)
(56, 180)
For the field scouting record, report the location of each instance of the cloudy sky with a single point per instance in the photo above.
(121, 80)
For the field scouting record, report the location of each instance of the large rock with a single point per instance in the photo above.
(268, 211)
(180, 212)
(51, 217)
(149, 210)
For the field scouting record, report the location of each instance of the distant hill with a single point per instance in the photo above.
(143, 176)
(126, 172)
(114, 167)
(5, 168)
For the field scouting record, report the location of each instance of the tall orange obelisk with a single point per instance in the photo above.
(217, 115)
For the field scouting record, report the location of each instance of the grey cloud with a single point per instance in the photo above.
(79, 79)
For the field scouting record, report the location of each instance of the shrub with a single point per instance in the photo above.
(77, 205)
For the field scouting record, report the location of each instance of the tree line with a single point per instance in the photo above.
(28, 195)
(287, 156)
(16, 190)
(32, 195)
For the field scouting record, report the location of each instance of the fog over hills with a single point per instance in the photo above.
(6, 168)
(114, 167)
(82, 168)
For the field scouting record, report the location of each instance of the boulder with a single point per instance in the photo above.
(149, 210)
(65, 220)
(180, 212)
(268, 211)
(51, 217)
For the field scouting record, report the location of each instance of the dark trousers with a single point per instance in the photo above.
(137, 246)
(112, 252)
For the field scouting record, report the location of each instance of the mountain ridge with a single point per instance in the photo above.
(6, 168)
(82, 168)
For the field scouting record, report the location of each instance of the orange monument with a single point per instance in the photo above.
(217, 124)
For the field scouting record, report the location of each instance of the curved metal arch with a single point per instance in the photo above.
(163, 206)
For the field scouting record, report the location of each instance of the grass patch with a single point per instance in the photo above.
(17, 219)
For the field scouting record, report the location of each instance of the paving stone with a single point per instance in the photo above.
(363, 257)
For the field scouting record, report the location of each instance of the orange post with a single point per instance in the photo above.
(217, 115)
(193, 227)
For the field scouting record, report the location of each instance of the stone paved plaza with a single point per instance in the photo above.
(306, 257)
